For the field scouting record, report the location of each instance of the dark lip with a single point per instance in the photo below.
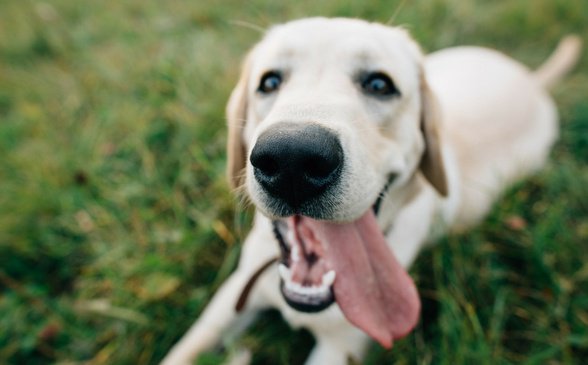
(378, 203)
(284, 247)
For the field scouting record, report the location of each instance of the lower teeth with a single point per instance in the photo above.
(322, 290)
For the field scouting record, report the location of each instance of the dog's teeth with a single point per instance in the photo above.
(291, 236)
(318, 291)
(285, 273)
(329, 278)
(294, 287)
(295, 255)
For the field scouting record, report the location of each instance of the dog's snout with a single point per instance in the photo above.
(297, 162)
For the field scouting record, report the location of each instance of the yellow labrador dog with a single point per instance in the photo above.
(356, 149)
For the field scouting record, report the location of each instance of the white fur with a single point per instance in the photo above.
(497, 124)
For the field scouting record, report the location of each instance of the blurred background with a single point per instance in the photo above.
(116, 223)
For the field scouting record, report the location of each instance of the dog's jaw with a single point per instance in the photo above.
(351, 264)
(312, 290)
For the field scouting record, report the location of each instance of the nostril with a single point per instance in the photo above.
(320, 168)
(266, 164)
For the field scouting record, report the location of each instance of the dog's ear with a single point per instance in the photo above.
(432, 161)
(236, 118)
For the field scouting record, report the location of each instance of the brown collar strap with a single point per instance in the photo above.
(247, 289)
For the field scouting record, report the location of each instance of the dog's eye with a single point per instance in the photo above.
(378, 84)
(270, 82)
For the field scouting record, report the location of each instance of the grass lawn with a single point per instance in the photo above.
(117, 226)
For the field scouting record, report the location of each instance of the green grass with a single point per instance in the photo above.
(116, 224)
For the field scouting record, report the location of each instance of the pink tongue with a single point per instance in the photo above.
(374, 292)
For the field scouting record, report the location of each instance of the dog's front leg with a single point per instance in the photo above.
(220, 316)
(205, 333)
(338, 347)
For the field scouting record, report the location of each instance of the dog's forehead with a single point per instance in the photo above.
(351, 40)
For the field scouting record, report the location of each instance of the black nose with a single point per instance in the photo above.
(297, 162)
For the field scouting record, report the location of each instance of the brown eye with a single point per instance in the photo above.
(378, 84)
(270, 82)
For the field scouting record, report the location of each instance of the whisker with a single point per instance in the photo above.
(244, 24)
(396, 12)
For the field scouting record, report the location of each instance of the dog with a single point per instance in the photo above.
(357, 150)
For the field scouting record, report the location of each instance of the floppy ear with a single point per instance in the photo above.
(432, 162)
(236, 118)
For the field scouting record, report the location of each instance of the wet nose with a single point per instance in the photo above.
(297, 162)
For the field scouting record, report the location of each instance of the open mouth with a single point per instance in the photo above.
(323, 262)
(306, 277)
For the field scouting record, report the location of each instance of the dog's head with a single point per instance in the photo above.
(328, 115)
